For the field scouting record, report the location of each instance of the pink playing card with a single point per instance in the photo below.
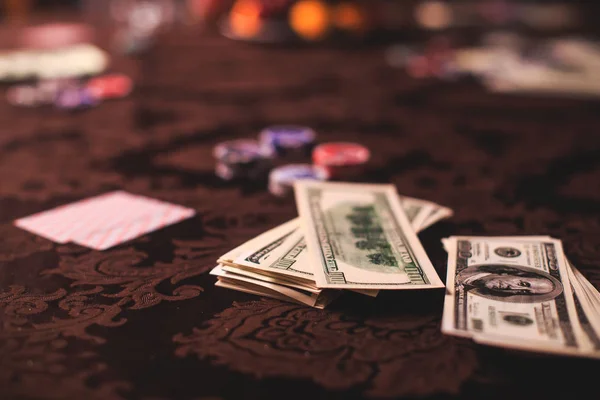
(103, 221)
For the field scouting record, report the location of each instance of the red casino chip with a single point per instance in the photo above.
(112, 86)
(340, 154)
(342, 160)
(55, 35)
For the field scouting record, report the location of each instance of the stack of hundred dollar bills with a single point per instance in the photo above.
(521, 293)
(357, 237)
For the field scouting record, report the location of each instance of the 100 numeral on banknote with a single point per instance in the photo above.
(359, 237)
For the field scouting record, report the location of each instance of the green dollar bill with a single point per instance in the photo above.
(359, 237)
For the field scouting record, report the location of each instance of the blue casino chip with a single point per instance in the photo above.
(281, 139)
(281, 179)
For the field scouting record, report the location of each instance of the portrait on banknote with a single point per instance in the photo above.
(509, 283)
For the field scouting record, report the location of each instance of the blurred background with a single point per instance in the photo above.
(374, 16)
(542, 46)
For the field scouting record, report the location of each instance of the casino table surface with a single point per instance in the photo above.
(143, 320)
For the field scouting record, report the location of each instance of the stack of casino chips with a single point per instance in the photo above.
(60, 59)
(239, 159)
(291, 144)
(342, 160)
(286, 151)
(281, 180)
(70, 94)
(247, 158)
(287, 141)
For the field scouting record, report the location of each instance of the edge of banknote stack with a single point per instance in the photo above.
(369, 225)
(520, 293)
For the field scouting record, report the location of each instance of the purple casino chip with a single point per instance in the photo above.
(74, 97)
(281, 180)
(281, 139)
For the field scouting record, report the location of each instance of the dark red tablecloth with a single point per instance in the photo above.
(143, 320)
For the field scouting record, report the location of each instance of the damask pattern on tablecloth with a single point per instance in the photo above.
(392, 356)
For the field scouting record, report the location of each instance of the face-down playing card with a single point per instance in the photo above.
(104, 221)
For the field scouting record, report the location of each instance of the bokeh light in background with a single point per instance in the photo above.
(309, 19)
(244, 18)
